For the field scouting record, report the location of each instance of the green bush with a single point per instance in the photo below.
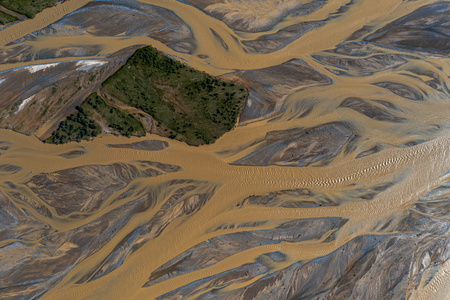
(78, 126)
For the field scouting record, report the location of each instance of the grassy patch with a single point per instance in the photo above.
(28, 8)
(81, 125)
(118, 120)
(194, 106)
(5, 18)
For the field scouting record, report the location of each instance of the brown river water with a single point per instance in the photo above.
(337, 190)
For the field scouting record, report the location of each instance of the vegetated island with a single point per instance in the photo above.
(187, 104)
(28, 8)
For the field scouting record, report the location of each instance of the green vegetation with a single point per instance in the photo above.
(5, 18)
(192, 105)
(28, 8)
(188, 104)
(81, 125)
(118, 120)
(78, 126)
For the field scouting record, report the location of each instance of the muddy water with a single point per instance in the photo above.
(371, 149)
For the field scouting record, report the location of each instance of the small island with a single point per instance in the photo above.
(187, 104)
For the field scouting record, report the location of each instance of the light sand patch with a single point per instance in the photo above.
(24, 103)
(84, 65)
(36, 68)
